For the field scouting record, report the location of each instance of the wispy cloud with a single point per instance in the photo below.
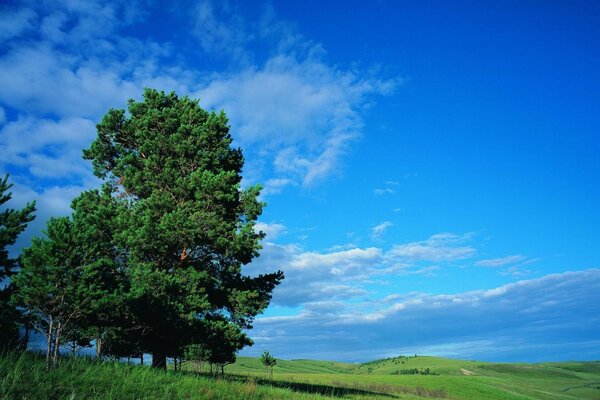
(383, 191)
(378, 230)
(500, 262)
(440, 247)
(301, 111)
(65, 63)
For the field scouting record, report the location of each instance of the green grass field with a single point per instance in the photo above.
(23, 377)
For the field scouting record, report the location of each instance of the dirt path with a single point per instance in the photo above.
(466, 372)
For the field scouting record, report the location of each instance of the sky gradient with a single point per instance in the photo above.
(430, 169)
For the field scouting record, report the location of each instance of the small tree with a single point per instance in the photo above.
(47, 283)
(268, 361)
(198, 354)
(12, 223)
(224, 339)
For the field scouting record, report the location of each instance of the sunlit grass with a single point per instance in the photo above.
(23, 376)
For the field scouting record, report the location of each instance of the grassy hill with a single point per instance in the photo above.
(23, 377)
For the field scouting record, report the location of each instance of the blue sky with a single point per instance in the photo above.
(430, 168)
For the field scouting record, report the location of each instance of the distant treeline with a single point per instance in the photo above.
(414, 371)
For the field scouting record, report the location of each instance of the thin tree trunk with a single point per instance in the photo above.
(49, 344)
(128, 360)
(56, 345)
(142, 359)
(99, 347)
(159, 360)
(25, 340)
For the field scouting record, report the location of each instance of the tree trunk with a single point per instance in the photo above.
(49, 344)
(99, 347)
(24, 341)
(159, 360)
(56, 345)
(142, 359)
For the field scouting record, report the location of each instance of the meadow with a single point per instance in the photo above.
(23, 377)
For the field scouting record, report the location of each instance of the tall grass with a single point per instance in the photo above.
(23, 377)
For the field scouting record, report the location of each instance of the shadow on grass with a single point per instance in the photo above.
(300, 387)
(336, 389)
(320, 389)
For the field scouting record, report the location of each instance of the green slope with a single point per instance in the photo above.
(23, 377)
(461, 379)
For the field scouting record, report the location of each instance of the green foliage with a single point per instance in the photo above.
(95, 221)
(12, 223)
(184, 222)
(51, 283)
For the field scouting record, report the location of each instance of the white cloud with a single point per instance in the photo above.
(52, 201)
(378, 230)
(40, 79)
(272, 231)
(48, 149)
(440, 247)
(313, 276)
(275, 185)
(500, 262)
(381, 192)
(300, 110)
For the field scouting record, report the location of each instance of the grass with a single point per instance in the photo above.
(23, 377)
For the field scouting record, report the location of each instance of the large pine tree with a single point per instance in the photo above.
(185, 222)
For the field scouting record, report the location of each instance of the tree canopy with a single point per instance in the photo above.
(183, 221)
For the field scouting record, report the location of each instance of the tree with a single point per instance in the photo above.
(49, 283)
(94, 219)
(198, 354)
(12, 223)
(186, 224)
(268, 361)
(224, 340)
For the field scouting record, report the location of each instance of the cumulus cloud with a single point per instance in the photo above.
(315, 276)
(342, 272)
(498, 324)
(48, 148)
